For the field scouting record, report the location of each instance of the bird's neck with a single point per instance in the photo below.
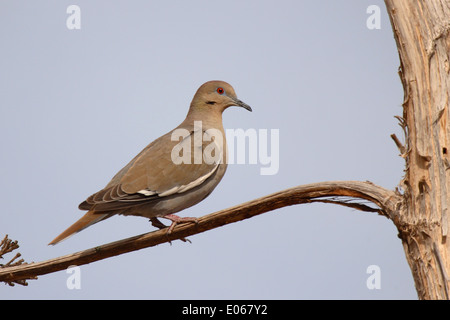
(209, 118)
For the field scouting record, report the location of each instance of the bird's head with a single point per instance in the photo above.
(216, 96)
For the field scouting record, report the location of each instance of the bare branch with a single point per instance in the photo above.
(6, 246)
(399, 145)
(387, 201)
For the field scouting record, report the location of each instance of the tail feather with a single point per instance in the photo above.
(85, 221)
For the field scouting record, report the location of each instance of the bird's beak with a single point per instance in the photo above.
(242, 104)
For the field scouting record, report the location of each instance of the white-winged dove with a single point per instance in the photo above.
(174, 172)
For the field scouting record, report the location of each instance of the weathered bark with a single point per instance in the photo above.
(421, 30)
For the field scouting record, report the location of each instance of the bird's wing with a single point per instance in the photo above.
(157, 172)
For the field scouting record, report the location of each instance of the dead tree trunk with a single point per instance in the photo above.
(421, 30)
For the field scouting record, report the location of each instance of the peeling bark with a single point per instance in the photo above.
(421, 30)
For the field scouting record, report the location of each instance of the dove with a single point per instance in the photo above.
(174, 172)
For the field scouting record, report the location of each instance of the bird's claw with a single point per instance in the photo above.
(175, 220)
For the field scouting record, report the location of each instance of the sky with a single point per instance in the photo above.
(77, 104)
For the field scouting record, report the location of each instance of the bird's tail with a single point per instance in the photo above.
(85, 221)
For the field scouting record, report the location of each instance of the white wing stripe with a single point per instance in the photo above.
(197, 182)
(182, 188)
(146, 192)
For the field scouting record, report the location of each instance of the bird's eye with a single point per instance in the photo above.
(220, 90)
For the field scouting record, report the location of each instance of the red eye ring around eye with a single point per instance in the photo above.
(220, 90)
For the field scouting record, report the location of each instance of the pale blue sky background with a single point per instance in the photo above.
(77, 105)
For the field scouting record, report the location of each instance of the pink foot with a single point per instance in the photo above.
(176, 220)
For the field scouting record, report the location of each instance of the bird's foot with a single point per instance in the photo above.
(175, 220)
